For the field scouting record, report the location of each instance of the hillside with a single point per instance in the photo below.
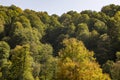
(73, 46)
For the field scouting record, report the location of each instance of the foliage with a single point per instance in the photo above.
(115, 71)
(4, 62)
(77, 63)
(66, 47)
(22, 61)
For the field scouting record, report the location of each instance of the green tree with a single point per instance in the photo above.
(65, 19)
(103, 50)
(84, 18)
(82, 32)
(2, 22)
(110, 10)
(114, 31)
(22, 61)
(92, 41)
(44, 17)
(12, 12)
(35, 21)
(118, 56)
(115, 71)
(47, 61)
(24, 21)
(100, 27)
(4, 62)
(75, 17)
(107, 67)
(70, 29)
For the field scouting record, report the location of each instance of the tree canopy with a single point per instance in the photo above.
(73, 46)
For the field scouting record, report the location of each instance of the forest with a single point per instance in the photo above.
(73, 46)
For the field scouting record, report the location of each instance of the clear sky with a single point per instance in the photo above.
(60, 6)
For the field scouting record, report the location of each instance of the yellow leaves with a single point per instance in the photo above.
(75, 50)
(68, 63)
(28, 76)
(90, 71)
(70, 70)
(78, 63)
(67, 68)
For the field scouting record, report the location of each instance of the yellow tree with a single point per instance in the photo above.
(77, 63)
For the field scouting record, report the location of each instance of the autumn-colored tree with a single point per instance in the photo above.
(77, 63)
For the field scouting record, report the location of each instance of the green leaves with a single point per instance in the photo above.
(21, 63)
(82, 32)
(115, 71)
(4, 62)
(4, 50)
(58, 46)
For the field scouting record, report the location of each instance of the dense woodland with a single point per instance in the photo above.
(73, 46)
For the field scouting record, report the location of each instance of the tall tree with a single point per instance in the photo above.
(22, 61)
(4, 62)
(77, 63)
(114, 31)
(47, 61)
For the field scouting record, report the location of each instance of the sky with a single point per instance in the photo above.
(60, 6)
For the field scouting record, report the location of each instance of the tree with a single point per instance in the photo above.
(114, 31)
(22, 61)
(24, 21)
(20, 35)
(82, 32)
(4, 62)
(110, 10)
(107, 67)
(47, 62)
(103, 50)
(44, 17)
(69, 29)
(100, 27)
(12, 12)
(84, 18)
(118, 56)
(35, 21)
(77, 63)
(2, 22)
(115, 71)
(75, 17)
(92, 42)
